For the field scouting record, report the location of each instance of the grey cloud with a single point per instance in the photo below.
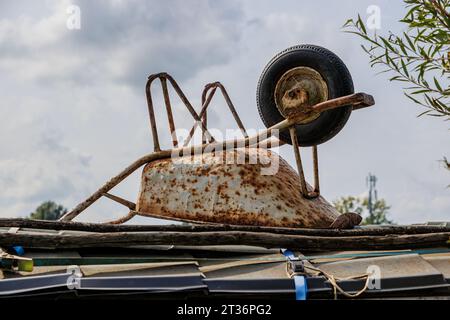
(124, 41)
(50, 170)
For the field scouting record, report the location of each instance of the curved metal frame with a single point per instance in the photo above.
(358, 100)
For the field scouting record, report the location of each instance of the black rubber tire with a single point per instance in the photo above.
(332, 70)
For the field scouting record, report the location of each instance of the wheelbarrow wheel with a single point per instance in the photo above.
(317, 68)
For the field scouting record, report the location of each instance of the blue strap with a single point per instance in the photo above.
(18, 250)
(301, 288)
(288, 254)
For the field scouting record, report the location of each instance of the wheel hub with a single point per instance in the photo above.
(298, 89)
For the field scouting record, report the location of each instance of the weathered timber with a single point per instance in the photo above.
(97, 227)
(262, 239)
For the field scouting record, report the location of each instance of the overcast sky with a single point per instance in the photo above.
(73, 109)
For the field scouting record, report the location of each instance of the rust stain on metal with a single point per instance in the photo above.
(214, 188)
(299, 89)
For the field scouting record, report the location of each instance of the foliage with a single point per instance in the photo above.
(48, 210)
(446, 166)
(446, 163)
(360, 205)
(419, 57)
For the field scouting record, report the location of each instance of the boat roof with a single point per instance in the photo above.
(233, 270)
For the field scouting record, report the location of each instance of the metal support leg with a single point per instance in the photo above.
(303, 188)
(298, 160)
(316, 170)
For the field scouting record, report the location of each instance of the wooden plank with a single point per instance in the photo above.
(262, 239)
(101, 228)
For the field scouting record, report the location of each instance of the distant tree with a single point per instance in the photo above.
(372, 209)
(48, 210)
(360, 205)
(446, 163)
(446, 166)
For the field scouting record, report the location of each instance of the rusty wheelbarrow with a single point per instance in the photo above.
(305, 96)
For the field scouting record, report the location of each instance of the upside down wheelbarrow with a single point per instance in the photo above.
(305, 96)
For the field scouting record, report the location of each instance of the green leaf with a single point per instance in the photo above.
(411, 44)
(437, 84)
(413, 99)
(421, 91)
(402, 46)
(396, 78)
(388, 45)
(423, 113)
(411, 11)
(361, 25)
(405, 70)
(348, 23)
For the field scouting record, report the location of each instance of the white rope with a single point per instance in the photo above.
(334, 281)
